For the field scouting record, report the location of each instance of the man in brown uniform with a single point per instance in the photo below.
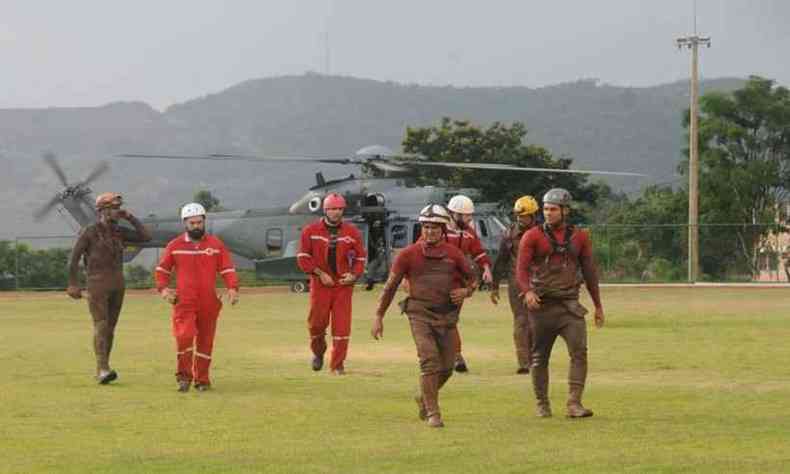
(524, 211)
(439, 279)
(549, 260)
(101, 246)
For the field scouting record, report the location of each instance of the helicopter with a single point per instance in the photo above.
(383, 208)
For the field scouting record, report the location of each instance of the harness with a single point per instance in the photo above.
(565, 248)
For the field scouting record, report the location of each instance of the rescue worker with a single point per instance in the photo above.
(197, 258)
(525, 212)
(462, 234)
(550, 258)
(440, 278)
(333, 254)
(100, 246)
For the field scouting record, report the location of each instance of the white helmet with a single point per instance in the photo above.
(434, 213)
(461, 204)
(192, 209)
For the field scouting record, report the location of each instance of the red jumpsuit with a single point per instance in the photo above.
(197, 307)
(469, 243)
(334, 301)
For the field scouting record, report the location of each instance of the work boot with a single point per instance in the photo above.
(339, 371)
(429, 386)
(522, 370)
(318, 362)
(460, 364)
(422, 412)
(435, 421)
(540, 385)
(106, 377)
(183, 386)
(202, 387)
(574, 406)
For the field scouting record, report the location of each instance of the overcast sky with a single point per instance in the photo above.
(90, 52)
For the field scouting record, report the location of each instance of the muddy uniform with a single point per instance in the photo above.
(433, 271)
(505, 266)
(101, 246)
(551, 263)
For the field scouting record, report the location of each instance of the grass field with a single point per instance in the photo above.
(681, 380)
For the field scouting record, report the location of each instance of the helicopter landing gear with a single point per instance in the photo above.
(300, 286)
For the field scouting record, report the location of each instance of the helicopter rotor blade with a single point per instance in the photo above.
(100, 169)
(492, 166)
(387, 166)
(234, 157)
(49, 159)
(46, 208)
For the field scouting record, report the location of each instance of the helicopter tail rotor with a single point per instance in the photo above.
(71, 193)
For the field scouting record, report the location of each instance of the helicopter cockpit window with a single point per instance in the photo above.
(274, 240)
(482, 228)
(400, 236)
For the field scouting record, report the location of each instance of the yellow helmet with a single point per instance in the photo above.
(525, 205)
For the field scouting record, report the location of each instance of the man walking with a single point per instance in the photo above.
(100, 246)
(197, 258)
(461, 234)
(524, 210)
(549, 260)
(440, 278)
(332, 253)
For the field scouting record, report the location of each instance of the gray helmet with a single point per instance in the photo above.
(558, 196)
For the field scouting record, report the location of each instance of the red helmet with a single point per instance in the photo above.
(334, 201)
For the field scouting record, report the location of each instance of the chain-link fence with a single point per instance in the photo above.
(41, 263)
(659, 253)
(625, 254)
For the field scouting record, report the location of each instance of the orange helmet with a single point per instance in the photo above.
(105, 200)
(334, 201)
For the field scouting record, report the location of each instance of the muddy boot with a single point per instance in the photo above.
(574, 406)
(460, 364)
(429, 385)
(183, 386)
(540, 384)
(435, 421)
(317, 363)
(422, 412)
(106, 376)
(522, 370)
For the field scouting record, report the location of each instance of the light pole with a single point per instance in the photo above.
(693, 42)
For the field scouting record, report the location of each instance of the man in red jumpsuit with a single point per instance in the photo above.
(461, 233)
(197, 258)
(333, 254)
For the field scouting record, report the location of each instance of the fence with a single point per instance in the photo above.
(625, 253)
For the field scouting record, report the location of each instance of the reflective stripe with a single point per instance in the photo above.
(185, 351)
(346, 238)
(480, 256)
(340, 338)
(361, 258)
(302, 254)
(209, 251)
(318, 237)
(316, 337)
(229, 270)
(203, 356)
(160, 269)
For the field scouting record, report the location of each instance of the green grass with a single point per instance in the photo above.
(681, 380)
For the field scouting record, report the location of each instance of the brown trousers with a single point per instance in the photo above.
(566, 320)
(436, 349)
(522, 333)
(105, 307)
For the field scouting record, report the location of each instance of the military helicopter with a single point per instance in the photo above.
(384, 209)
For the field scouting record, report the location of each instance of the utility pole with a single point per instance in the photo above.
(693, 42)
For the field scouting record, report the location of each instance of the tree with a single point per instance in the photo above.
(744, 170)
(461, 141)
(208, 200)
